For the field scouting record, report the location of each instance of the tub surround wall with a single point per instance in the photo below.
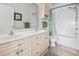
(64, 32)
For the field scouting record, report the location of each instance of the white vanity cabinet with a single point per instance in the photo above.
(21, 47)
(33, 45)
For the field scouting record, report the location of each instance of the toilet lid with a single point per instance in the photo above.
(54, 39)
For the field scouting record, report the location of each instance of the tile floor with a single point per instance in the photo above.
(51, 52)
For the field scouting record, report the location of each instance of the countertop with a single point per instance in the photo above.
(18, 35)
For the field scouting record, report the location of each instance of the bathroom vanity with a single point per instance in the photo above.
(30, 43)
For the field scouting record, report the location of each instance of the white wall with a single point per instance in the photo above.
(26, 10)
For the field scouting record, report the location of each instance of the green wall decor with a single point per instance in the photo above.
(44, 24)
(27, 24)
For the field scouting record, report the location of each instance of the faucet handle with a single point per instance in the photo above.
(11, 30)
(12, 26)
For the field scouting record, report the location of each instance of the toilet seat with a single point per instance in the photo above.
(53, 41)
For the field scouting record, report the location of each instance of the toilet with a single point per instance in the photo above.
(53, 41)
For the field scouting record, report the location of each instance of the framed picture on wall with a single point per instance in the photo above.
(18, 16)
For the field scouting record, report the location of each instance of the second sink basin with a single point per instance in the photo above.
(9, 37)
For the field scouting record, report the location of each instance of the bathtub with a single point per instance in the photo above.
(69, 42)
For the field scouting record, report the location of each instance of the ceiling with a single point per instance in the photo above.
(53, 5)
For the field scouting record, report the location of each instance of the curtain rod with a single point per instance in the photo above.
(64, 6)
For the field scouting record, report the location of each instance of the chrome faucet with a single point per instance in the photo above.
(11, 31)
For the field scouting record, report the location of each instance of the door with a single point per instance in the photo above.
(24, 48)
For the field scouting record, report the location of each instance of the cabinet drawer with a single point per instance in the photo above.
(9, 44)
(35, 52)
(12, 53)
(46, 33)
(36, 43)
(24, 51)
(35, 39)
(23, 40)
(8, 47)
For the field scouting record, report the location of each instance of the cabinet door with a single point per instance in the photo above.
(13, 53)
(44, 40)
(41, 43)
(23, 51)
(26, 52)
(24, 47)
(9, 48)
(35, 48)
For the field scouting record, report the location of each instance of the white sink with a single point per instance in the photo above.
(9, 37)
(18, 35)
(27, 33)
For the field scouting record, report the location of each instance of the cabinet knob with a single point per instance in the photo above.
(37, 52)
(37, 44)
(37, 38)
(19, 44)
(76, 33)
(76, 29)
(17, 52)
(32, 49)
(46, 37)
(21, 51)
